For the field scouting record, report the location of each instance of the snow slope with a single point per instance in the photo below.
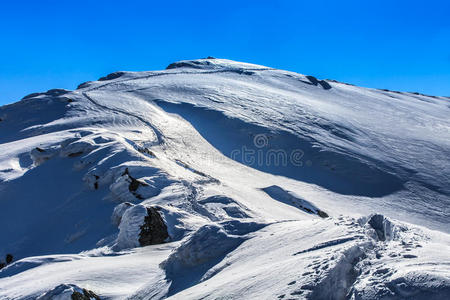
(270, 185)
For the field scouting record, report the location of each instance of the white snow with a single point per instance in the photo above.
(272, 185)
(129, 227)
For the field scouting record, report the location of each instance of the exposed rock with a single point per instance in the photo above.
(134, 183)
(96, 181)
(322, 214)
(9, 258)
(383, 227)
(86, 295)
(84, 84)
(69, 291)
(154, 230)
(314, 81)
(146, 151)
(111, 76)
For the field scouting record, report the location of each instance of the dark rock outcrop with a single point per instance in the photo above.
(322, 214)
(111, 76)
(86, 295)
(84, 84)
(154, 230)
(9, 258)
(314, 81)
(134, 184)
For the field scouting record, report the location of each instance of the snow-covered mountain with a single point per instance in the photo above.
(216, 179)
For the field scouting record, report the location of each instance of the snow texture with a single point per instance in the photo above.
(272, 185)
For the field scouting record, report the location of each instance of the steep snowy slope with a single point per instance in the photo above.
(216, 178)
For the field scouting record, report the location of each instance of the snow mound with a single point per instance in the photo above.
(119, 210)
(413, 284)
(68, 292)
(208, 242)
(130, 227)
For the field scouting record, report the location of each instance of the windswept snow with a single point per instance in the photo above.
(258, 183)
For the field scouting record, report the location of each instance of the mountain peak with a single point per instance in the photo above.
(214, 64)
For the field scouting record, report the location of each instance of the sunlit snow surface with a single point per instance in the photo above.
(244, 163)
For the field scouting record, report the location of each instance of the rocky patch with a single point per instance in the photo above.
(111, 76)
(154, 230)
(69, 291)
(314, 81)
(134, 184)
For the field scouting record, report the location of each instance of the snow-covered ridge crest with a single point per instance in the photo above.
(212, 63)
(216, 178)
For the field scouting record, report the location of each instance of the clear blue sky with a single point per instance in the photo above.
(400, 45)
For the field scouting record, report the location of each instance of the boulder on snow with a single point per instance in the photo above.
(314, 81)
(322, 214)
(86, 295)
(154, 230)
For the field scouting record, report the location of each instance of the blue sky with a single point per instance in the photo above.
(399, 45)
